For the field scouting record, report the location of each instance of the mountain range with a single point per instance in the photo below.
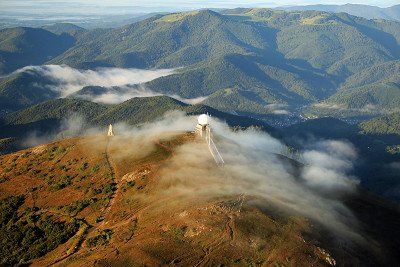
(256, 57)
(246, 62)
(366, 11)
(311, 190)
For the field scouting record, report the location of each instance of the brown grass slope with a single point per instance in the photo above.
(129, 216)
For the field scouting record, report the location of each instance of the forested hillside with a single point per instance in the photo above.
(24, 89)
(263, 56)
(389, 124)
(24, 46)
(377, 86)
(52, 117)
(287, 57)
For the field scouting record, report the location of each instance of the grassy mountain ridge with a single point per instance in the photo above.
(366, 11)
(108, 195)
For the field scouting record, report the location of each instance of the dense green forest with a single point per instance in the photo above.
(389, 124)
(27, 235)
(377, 86)
(50, 117)
(262, 56)
(24, 46)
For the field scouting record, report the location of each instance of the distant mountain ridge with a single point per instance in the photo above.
(47, 117)
(250, 57)
(68, 28)
(24, 46)
(376, 87)
(366, 11)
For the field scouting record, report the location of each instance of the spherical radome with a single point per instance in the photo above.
(203, 119)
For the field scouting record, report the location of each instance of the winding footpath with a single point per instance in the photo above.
(84, 229)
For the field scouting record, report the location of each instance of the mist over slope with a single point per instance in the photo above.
(281, 67)
(158, 182)
(69, 80)
(55, 118)
(376, 142)
(34, 84)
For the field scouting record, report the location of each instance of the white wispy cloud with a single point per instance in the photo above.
(69, 80)
(120, 84)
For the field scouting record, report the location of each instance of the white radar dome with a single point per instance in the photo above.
(203, 119)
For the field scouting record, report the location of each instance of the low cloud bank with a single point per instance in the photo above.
(328, 165)
(69, 80)
(73, 125)
(278, 109)
(253, 167)
(120, 84)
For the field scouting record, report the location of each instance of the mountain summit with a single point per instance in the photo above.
(155, 198)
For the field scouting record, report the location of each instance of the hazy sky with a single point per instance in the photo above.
(134, 6)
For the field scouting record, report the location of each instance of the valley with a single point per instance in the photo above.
(302, 104)
(239, 60)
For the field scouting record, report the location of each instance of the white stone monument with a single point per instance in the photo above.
(110, 130)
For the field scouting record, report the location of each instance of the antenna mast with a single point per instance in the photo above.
(203, 130)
